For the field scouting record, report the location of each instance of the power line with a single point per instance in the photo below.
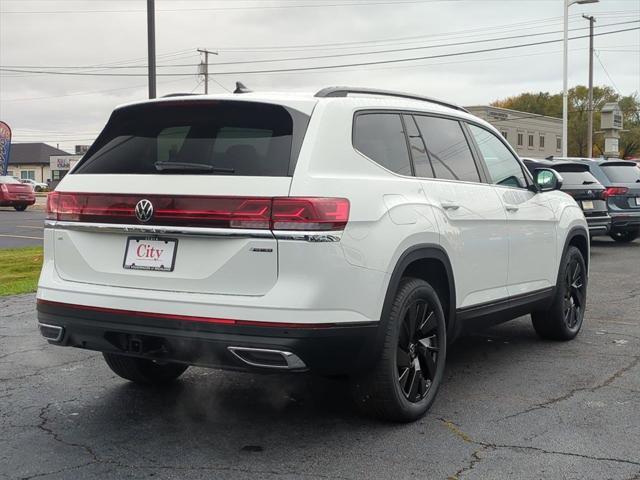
(325, 67)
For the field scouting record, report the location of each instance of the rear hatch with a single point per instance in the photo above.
(623, 191)
(14, 190)
(176, 195)
(578, 182)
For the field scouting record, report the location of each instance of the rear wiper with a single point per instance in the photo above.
(186, 166)
(587, 182)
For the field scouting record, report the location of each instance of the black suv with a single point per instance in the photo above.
(621, 180)
(588, 192)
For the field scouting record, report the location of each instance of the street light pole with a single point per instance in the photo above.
(565, 74)
(151, 45)
(592, 20)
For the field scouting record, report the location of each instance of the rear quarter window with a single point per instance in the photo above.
(381, 137)
(214, 137)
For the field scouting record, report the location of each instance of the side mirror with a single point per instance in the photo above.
(547, 179)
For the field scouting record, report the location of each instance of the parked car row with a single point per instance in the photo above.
(608, 191)
(16, 194)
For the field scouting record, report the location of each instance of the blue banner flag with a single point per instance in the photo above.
(5, 147)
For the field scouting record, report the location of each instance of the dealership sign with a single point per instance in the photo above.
(63, 162)
(5, 147)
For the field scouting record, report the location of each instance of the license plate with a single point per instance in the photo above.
(144, 253)
(587, 205)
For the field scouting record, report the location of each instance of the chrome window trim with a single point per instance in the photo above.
(312, 237)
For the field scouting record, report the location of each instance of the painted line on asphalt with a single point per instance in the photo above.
(21, 236)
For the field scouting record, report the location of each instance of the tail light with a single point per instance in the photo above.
(280, 213)
(614, 191)
(294, 213)
(3, 188)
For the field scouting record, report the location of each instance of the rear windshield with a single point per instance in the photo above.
(621, 173)
(196, 138)
(8, 180)
(575, 175)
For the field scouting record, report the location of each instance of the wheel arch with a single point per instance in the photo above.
(428, 262)
(577, 237)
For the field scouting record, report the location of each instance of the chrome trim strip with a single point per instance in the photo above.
(159, 229)
(53, 327)
(293, 362)
(313, 237)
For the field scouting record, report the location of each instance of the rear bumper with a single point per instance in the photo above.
(322, 348)
(625, 221)
(599, 225)
(12, 202)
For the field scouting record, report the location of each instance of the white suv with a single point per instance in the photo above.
(351, 232)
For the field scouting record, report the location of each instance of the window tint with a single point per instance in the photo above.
(503, 167)
(621, 173)
(448, 149)
(421, 163)
(380, 136)
(235, 138)
(573, 176)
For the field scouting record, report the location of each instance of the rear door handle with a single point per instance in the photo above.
(450, 206)
(512, 208)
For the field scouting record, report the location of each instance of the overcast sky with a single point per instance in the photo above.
(62, 35)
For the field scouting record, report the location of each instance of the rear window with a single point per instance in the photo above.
(621, 173)
(575, 174)
(6, 179)
(197, 138)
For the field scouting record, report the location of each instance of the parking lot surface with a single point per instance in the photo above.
(21, 229)
(512, 406)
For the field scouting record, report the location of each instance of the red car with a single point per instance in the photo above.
(15, 194)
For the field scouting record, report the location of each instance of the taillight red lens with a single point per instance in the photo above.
(285, 213)
(310, 213)
(3, 188)
(613, 191)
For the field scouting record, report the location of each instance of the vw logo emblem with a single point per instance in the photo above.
(144, 210)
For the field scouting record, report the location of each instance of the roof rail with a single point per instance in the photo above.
(345, 91)
(169, 95)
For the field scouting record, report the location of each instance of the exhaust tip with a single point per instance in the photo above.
(51, 332)
(266, 358)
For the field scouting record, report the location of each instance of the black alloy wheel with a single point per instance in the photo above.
(574, 294)
(565, 315)
(418, 349)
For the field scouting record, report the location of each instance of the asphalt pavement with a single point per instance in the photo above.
(511, 406)
(21, 229)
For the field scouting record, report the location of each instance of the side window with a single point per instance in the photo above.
(448, 149)
(421, 163)
(380, 136)
(503, 167)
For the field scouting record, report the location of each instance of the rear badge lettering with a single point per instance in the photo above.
(262, 250)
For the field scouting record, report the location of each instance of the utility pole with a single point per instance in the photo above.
(204, 67)
(592, 20)
(151, 44)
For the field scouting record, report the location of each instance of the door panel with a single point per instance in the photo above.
(473, 229)
(532, 245)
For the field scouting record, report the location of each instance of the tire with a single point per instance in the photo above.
(625, 236)
(140, 370)
(20, 208)
(403, 384)
(564, 318)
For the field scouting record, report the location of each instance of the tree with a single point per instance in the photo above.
(545, 103)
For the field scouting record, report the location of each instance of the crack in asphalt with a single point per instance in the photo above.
(488, 446)
(44, 421)
(608, 381)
